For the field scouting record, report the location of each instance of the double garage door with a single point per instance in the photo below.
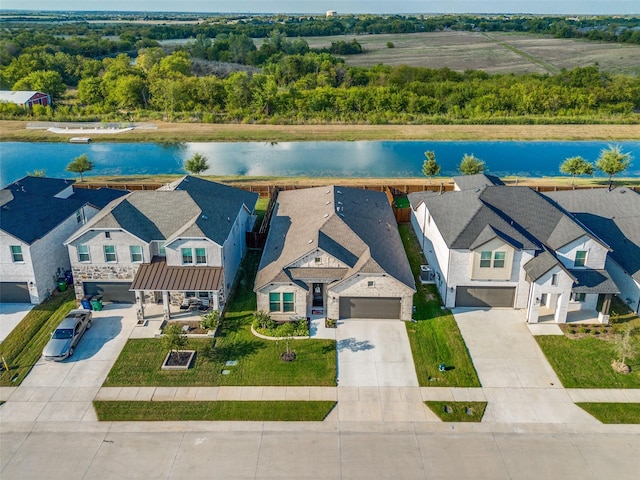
(485, 296)
(14, 292)
(368, 307)
(116, 292)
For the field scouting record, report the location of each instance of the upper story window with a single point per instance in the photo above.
(110, 254)
(370, 283)
(162, 250)
(83, 253)
(554, 279)
(581, 258)
(201, 256)
(107, 234)
(498, 258)
(79, 216)
(317, 260)
(136, 253)
(187, 256)
(16, 253)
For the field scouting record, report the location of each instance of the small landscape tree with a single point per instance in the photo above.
(197, 164)
(37, 173)
(430, 167)
(576, 166)
(173, 339)
(80, 165)
(471, 165)
(625, 348)
(612, 161)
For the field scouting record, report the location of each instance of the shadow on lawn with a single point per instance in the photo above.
(234, 351)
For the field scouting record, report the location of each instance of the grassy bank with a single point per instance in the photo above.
(11, 130)
(613, 412)
(267, 411)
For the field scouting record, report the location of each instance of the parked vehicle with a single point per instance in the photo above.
(67, 335)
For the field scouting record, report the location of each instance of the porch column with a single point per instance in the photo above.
(140, 305)
(165, 305)
(606, 304)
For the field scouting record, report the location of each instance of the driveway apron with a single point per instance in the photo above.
(374, 353)
(516, 378)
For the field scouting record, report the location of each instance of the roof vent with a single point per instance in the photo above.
(228, 219)
(204, 217)
(338, 192)
(326, 215)
(341, 214)
(328, 191)
(310, 241)
(328, 202)
(339, 203)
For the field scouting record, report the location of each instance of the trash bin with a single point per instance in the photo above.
(62, 284)
(96, 303)
(86, 302)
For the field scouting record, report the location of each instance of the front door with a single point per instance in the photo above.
(318, 295)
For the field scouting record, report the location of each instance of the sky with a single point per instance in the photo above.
(583, 7)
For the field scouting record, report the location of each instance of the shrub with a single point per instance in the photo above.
(263, 321)
(210, 320)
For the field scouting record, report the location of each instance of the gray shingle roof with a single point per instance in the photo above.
(355, 226)
(30, 209)
(540, 264)
(593, 281)
(478, 181)
(518, 215)
(613, 215)
(192, 207)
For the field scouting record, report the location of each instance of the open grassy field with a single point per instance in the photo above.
(12, 130)
(497, 52)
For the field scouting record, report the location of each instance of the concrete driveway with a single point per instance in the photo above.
(374, 353)
(63, 391)
(11, 314)
(516, 378)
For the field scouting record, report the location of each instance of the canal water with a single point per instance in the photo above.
(312, 159)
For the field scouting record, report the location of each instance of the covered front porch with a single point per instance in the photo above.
(180, 291)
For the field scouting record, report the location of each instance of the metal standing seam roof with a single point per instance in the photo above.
(157, 276)
(356, 226)
(18, 96)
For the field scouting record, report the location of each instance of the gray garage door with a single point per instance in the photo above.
(485, 296)
(111, 291)
(365, 307)
(12, 292)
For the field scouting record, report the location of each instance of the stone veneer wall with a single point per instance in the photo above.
(96, 273)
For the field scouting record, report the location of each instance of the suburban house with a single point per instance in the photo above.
(180, 243)
(36, 216)
(25, 99)
(613, 215)
(334, 252)
(491, 245)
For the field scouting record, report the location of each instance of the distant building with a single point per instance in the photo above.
(25, 99)
(332, 13)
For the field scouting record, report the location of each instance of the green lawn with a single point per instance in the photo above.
(457, 411)
(435, 337)
(296, 411)
(586, 362)
(23, 346)
(613, 412)
(258, 360)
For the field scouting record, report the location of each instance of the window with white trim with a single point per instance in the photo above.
(370, 284)
(485, 259)
(110, 254)
(83, 253)
(78, 216)
(579, 297)
(201, 256)
(187, 256)
(581, 258)
(16, 254)
(498, 259)
(136, 253)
